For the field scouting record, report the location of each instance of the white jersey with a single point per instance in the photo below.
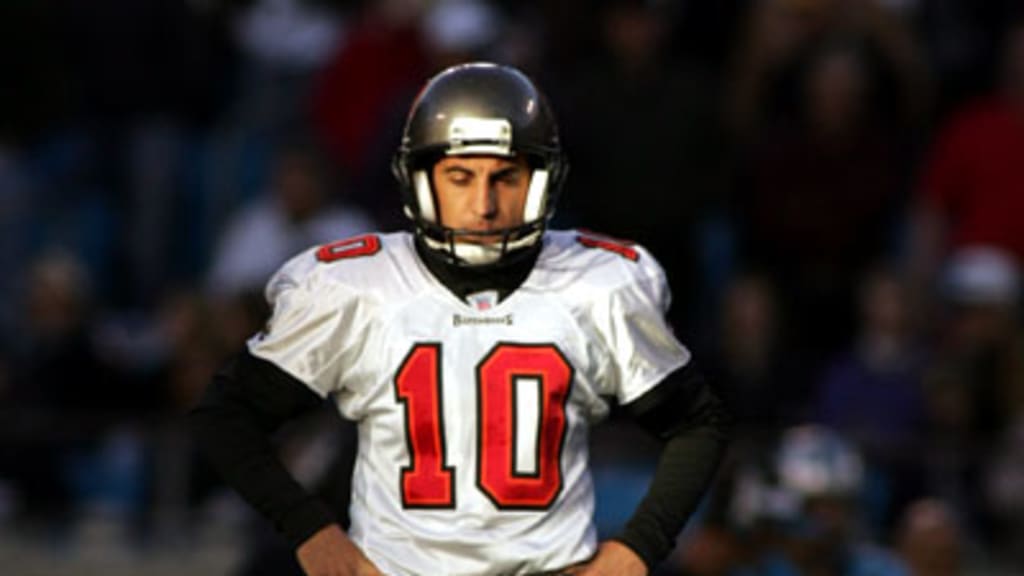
(473, 415)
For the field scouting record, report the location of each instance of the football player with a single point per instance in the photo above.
(474, 354)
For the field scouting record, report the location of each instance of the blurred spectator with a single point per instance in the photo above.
(815, 184)
(57, 313)
(194, 348)
(62, 437)
(269, 53)
(982, 285)
(969, 191)
(297, 212)
(975, 386)
(777, 35)
(811, 498)
(883, 368)
(641, 134)
(774, 32)
(929, 539)
(292, 34)
(173, 351)
(284, 44)
(141, 75)
(460, 31)
(962, 39)
(380, 61)
(752, 367)
(983, 275)
(1004, 489)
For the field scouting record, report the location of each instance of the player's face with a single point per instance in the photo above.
(481, 193)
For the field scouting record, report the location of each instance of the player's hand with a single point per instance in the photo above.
(330, 552)
(612, 559)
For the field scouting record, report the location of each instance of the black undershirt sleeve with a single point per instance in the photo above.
(693, 422)
(244, 404)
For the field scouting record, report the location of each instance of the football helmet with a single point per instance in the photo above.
(479, 109)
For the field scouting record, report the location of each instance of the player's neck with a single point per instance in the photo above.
(504, 277)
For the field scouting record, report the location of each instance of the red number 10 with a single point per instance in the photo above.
(428, 483)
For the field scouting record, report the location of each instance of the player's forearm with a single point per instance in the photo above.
(684, 471)
(232, 423)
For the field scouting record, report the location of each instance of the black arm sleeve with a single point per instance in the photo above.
(695, 425)
(248, 400)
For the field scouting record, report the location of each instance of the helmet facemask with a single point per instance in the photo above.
(470, 247)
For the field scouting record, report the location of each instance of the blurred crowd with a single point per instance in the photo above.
(835, 188)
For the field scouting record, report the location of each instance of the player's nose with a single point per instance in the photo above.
(485, 201)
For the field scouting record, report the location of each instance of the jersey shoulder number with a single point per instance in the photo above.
(624, 248)
(364, 245)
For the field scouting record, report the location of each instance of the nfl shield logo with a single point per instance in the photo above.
(483, 301)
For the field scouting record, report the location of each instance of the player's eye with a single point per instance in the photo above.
(460, 177)
(509, 177)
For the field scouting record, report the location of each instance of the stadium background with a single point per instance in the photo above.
(832, 186)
